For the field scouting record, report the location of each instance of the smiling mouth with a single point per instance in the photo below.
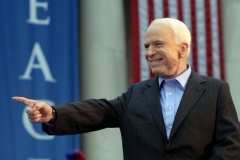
(156, 61)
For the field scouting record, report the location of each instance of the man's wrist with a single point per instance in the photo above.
(52, 121)
(53, 115)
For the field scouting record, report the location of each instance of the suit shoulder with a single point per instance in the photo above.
(142, 85)
(214, 81)
(145, 82)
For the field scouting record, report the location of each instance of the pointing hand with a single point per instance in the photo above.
(37, 111)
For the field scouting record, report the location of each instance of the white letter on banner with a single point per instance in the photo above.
(37, 53)
(29, 127)
(33, 5)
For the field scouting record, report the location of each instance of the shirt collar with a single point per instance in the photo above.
(182, 78)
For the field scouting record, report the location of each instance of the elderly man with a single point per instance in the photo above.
(177, 115)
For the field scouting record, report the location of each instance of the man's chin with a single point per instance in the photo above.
(157, 73)
(162, 75)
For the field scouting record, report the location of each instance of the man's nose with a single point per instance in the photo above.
(150, 52)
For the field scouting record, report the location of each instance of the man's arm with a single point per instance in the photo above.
(78, 117)
(81, 117)
(227, 128)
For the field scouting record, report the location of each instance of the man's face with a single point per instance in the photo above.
(161, 53)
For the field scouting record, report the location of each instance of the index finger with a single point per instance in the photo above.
(26, 101)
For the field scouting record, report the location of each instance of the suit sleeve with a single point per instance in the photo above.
(88, 115)
(227, 131)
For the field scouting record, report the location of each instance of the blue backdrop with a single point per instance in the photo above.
(38, 60)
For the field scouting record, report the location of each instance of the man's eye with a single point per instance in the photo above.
(146, 47)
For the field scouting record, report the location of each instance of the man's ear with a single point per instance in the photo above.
(183, 50)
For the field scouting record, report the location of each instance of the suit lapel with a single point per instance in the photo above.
(192, 93)
(153, 102)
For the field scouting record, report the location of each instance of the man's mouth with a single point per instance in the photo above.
(156, 61)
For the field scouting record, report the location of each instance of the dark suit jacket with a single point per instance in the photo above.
(205, 127)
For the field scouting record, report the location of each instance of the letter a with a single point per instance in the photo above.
(37, 54)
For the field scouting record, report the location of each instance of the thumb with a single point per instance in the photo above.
(38, 106)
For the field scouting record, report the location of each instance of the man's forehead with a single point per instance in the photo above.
(157, 35)
(160, 32)
(155, 40)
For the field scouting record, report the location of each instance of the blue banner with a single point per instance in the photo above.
(38, 60)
